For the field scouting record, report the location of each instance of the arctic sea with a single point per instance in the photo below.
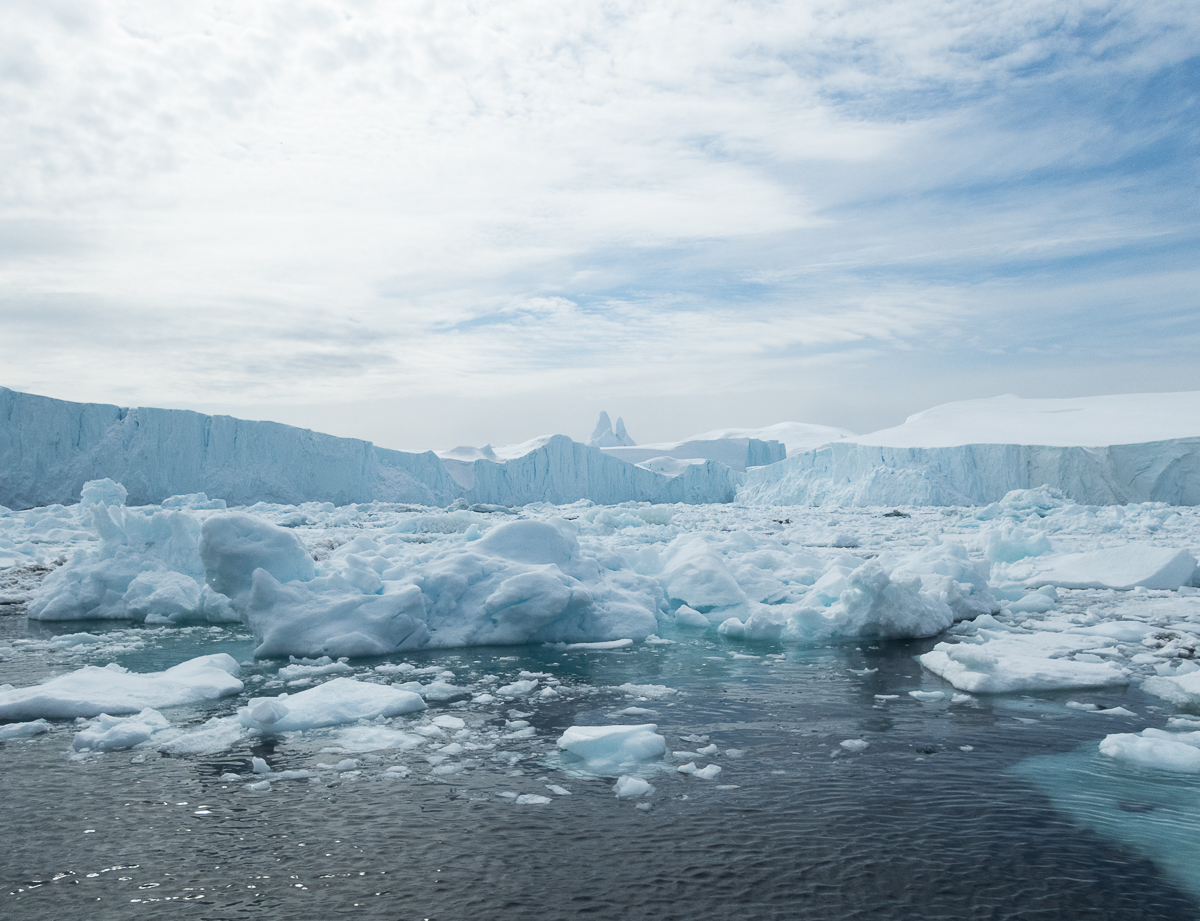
(938, 818)
(813, 768)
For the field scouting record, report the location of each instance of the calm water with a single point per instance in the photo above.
(914, 828)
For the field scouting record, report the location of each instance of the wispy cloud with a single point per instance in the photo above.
(344, 202)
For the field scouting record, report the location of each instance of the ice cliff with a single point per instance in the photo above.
(49, 448)
(1096, 450)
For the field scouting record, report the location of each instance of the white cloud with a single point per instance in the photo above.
(321, 201)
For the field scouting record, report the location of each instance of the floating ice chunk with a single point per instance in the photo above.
(1033, 603)
(259, 766)
(557, 790)
(106, 491)
(1006, 663)
(90, 691)
(855, 745)
(319, 669)
(690, 618)
(1121, 568)
(446, 721)
(93, 585)
(928, 696)
(518, 688)
(531, 799)
(376, 738)
(607, 644)
(697, 576)
(216, 735)
(1181, 690)
(609, 750)
(648, 691)
(628, 787)
(1153, 748)
(234, 545)
(336, 702)
(1010, 543)
(874, 604)
(329, 616)
(705, 773)
(262, 786)
(14, 731)
(117, 733)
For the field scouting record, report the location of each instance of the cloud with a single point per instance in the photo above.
(339, 201)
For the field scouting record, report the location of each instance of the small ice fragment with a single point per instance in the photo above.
(229, 777)
(449, 722)
(928, 696)
(734, 752)
(259, 766)
(261, 786)
(710, 749)
(862, 671)
(557, 790)
(346, 764)
(966, 748)
(704, 773)
(628, 787)
(855, 745)
(532, 799)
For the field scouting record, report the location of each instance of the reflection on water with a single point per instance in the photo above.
(928, 822)
(1152, 813)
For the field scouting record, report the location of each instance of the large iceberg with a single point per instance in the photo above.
(1097, 451)
(523, 582)
(49, 448)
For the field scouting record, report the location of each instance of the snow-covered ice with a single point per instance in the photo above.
(334, 703)
(91, 691)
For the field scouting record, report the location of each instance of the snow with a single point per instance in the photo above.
(334, 703)
(1119, 419)
(91, 691)
(609, 751)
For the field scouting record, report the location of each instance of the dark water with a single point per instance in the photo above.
(914, 828)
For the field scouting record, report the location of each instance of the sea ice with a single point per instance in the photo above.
(1005, 663)
(113, 690)
(1154, 748)
(1120, 568)
(336, 702)
(608, 751)
(117, 733)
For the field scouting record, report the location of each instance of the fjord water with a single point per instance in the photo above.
(941, 817)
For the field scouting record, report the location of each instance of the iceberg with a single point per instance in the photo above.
(1108, 450)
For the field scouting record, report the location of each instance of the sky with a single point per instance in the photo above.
(433, 224)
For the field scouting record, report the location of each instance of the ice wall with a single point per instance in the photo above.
(49, 448)
(563, 470)
(845, 473)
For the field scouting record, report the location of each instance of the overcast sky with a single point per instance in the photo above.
(430, 224)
